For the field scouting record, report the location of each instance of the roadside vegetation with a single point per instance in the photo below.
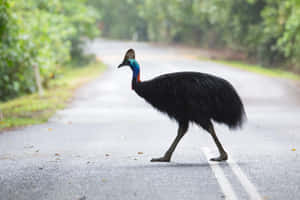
(34, 109)
(47, 34)
(267, 32)
(279, 73)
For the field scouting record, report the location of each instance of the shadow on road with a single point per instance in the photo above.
(171, 165)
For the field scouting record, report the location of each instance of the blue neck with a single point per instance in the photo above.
(136, 72)
(135, 69)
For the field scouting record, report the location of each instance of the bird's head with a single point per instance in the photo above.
(128, 59)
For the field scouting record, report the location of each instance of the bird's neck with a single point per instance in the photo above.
(135, 79)
(135, 73)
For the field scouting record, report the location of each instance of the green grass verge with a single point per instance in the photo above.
(279, 73)
(33, 109)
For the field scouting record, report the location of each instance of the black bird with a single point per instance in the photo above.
(189, 97)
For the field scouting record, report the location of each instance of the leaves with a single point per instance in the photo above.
(266, 30)
(39, 32)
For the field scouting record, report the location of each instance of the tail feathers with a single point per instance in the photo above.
(229, 109)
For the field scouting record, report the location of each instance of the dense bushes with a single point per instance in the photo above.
(15, 53)
(266, 30)
(43, 32)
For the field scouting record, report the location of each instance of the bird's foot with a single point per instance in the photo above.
(162, 159)
(222, 157)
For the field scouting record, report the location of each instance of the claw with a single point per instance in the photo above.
(162, 159)
(222, 157)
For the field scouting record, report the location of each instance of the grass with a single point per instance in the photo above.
(279, 73)
(33, 109)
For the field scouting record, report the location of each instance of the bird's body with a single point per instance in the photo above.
(190, 97)
(194, 97)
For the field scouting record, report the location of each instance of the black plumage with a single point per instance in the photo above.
(190, 97)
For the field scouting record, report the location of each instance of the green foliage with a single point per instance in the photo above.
(266, 30)
(42, 32)
(15, 56)
(288, 42)
(121, 19)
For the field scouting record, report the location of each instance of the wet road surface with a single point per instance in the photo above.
(100, 146)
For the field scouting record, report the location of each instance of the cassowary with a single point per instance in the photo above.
(189, 97)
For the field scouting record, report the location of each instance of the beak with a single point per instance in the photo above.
(121, 65)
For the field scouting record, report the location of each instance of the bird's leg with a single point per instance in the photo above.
(183, 127)
(223, 155)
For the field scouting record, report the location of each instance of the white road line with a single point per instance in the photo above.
(246, 183)
(221, 178)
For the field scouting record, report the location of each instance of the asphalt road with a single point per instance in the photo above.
(100, 146)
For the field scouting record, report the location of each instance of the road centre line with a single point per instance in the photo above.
(246, 183)
(221, 178)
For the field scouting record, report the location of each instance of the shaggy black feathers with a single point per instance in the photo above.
(194, 97)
